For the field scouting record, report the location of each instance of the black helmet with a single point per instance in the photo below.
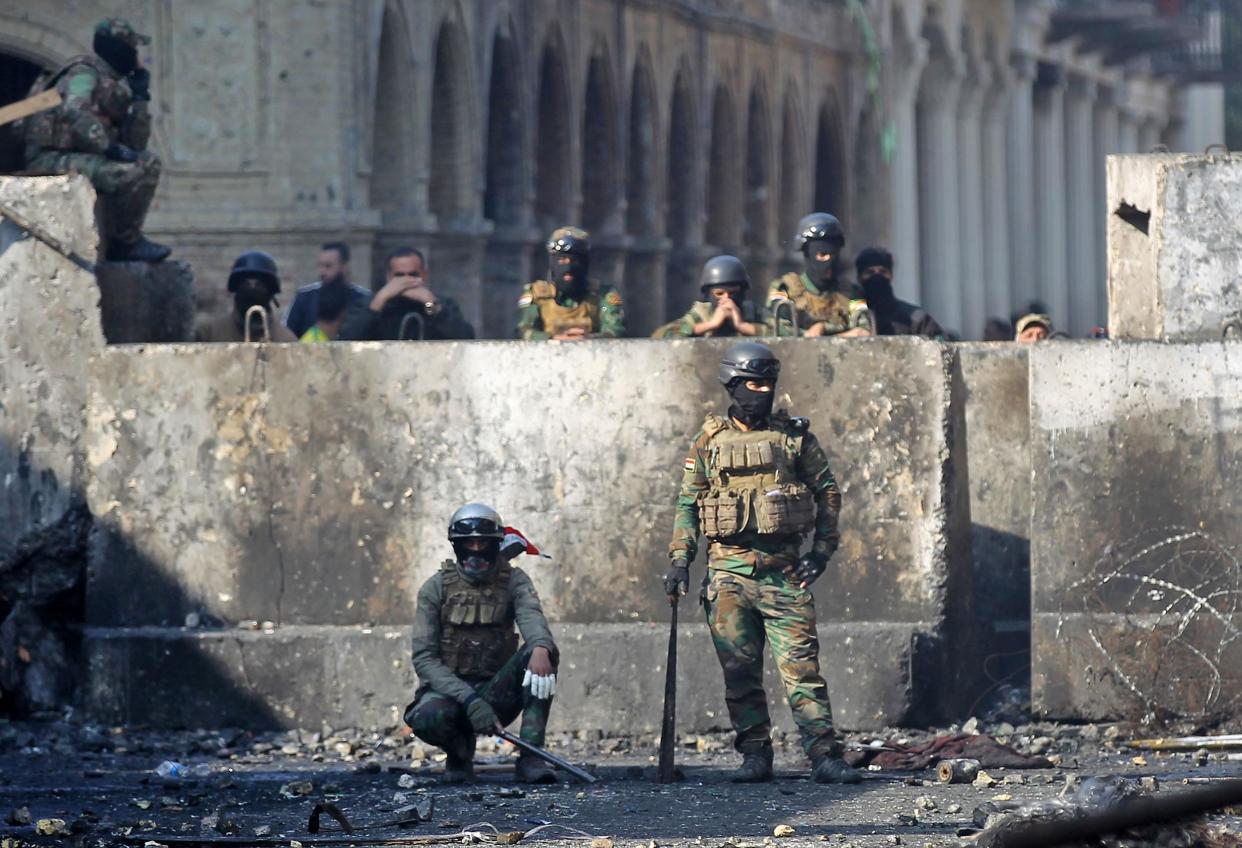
(723, 270)
(475, 521)
(255, 263)
(749, 360)
(819, 225)
(568, 240)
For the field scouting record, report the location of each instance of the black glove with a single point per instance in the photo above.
(121, 153)
(809, 567)
(677, 580)
(482, 716)
(140, 83)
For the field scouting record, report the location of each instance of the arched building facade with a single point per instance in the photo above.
(966, 134)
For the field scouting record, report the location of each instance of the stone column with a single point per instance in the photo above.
(996, 176)
(1082, 209)
(970, 202)
(1127, 128)
(1020, 160)
(940, 239)
(646, 299)
(1107, 142)
(1051, 265)
(906, 249)
(1149, 130)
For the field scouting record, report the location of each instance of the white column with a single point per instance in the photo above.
(1106, 144)
(970, 203)
(996, 176)
(1081, 212)
(1050, 204)
(939, 225)
(906, 249)
(1020, 159)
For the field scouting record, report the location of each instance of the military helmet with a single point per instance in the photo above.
(749, 361)
(723, 270)
(254, 263)
(568, 240)
(121, 30)
(475, 521)
(819, 225)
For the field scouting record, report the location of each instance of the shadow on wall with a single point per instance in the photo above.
(49, 659)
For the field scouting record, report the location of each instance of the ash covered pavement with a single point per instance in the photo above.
(99, 786)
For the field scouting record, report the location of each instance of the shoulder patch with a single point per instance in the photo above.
(612, 298)
(527, 298)
(689, 464)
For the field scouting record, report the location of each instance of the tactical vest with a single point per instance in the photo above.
(834, 309)
(557, 318)
(52, 129)
(477, 634)
(752, 483)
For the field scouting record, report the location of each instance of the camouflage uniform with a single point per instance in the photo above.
(98, 110)
(542, 313)
(749, 595)
(465, 645)
(701, 311)
(837, 312)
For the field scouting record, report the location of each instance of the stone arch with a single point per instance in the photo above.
(553, 178)
(451, 92)
(505, 189)
(602, 164)
(756, 222)
(641, 209)
(392, 166)
(792, 168)
(682, 150)
(724, 174)
(831, 191)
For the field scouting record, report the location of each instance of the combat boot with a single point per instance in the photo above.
(833, 770)
(531, 769)
(459, 767)
(756, 767)
(142, 250)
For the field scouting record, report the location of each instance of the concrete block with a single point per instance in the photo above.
(145, 302)
(311, 485)
(1135, 581)
(1174, 255)
(49, 331)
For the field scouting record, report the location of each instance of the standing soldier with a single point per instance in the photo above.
(755, 483)
(724, 309)
(473, 677)
(823, 309)
(101, 130)
(570, 307)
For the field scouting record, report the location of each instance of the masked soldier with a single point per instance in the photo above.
(101, 130)
(473, 677)
(724, 309)
(823, 309)
(755, 483)
(253, 281)
(570, 307)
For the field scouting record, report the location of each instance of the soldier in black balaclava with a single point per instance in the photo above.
(893, 317)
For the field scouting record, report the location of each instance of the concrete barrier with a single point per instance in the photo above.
(310, 486)
(1136, 450)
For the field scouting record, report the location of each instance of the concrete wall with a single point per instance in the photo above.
(310, 486)
(143, 302)
(1136, 450)
(1173, 251)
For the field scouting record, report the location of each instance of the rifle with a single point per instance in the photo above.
(666, 773)
(547, 757)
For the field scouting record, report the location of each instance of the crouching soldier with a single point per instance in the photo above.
(473, 676)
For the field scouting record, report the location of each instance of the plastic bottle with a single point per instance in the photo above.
(170, 770)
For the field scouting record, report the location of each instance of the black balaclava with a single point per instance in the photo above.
(878, 289)
(579, 265)
(822, 274)
(477, 566)
(122, 56)
(750, 407)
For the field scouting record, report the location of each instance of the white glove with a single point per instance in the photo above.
(542, 686)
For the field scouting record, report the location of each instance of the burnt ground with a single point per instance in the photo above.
(101, 782)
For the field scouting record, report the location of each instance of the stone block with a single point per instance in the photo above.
(1174, 256)
(311, 486)
(1135, 582)
(146, 302)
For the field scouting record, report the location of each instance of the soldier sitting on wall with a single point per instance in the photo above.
(254, 282)
(101, 130)
(724, 309)
(473, 676)
(823, 309)
(571, 307)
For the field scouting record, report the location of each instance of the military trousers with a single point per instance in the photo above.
(744, 613)
(441, 721)
(126, 188)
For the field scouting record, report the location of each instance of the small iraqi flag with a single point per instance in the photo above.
(515, 543)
